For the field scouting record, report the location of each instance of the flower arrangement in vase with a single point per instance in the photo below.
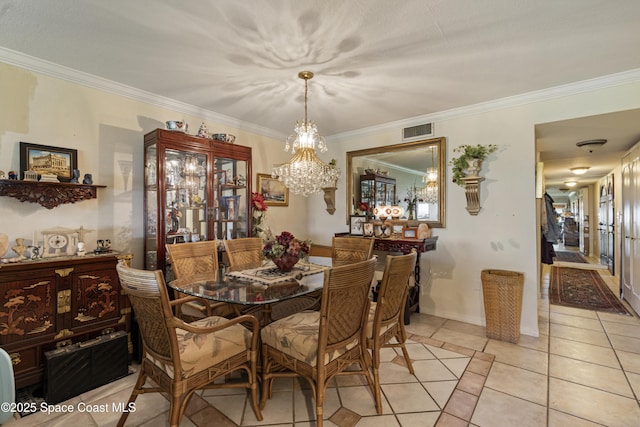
(258, 211)
(412, 200)
(285, 250)
(364, 209)
(470, 160)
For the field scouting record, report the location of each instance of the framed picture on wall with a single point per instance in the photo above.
(45, 159)
(356, 225)
(273, 191)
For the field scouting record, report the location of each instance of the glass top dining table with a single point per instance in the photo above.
(259, 287)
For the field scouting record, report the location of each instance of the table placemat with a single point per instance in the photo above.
(271, 274)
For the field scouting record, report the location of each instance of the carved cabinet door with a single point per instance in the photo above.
(27, 307)
(95, 297)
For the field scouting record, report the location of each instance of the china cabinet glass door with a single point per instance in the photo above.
(230, 199)
(195, 189)
(185, 196)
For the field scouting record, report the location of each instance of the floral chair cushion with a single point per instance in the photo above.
(372, 314)
(297, 336)
(201, 351)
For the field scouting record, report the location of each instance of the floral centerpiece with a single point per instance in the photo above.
(258, 211)
(285, 250)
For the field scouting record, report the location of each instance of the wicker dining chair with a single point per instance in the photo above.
(386, 316)
(189, 259)
(183, 357)
(244, 253)
(318, 345)
(347, 250)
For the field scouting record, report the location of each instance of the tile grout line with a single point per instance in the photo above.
(479, 357)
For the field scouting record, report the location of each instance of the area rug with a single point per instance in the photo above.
(570, 257)
(579, 288)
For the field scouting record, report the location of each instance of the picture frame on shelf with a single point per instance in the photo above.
(381, 230)
(396, 231)
(410, 232)
(46, 159)
(396, 226)
(274, 192)
(367, 229)
(356, 225)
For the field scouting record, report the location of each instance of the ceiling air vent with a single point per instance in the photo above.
(417, 132)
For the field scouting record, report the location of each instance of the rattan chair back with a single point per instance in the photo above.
(386, 318)
(148, 295)
(347, 250)
(338, 329)
(244, 253)
(188, 259)
(394, 288)
(344, 305)
(183, 357)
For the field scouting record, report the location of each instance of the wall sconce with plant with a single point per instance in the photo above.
(330, 192)
(466, 168)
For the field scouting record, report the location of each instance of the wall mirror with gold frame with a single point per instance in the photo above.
(400, 171)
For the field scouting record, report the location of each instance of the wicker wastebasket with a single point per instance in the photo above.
(502, 292)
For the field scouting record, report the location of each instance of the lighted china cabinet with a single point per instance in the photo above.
(195, 189)
(377, 190)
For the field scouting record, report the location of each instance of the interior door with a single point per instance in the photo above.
(610, 226)
(583, 219)
(602, 223)
(630, 266)
(606, 223)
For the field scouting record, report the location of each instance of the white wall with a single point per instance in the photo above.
(504, 234)
(107, 130)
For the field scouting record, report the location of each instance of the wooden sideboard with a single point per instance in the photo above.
(49, 303)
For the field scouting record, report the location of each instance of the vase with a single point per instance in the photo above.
(286, 263)
(473, 167)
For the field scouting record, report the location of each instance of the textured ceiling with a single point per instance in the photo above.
(375, 61)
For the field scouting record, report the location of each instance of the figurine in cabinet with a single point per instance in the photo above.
(174, 215)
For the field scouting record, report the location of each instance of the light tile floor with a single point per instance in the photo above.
(583, 370)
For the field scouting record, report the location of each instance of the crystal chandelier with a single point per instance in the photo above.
(305, 173)
(429, 193)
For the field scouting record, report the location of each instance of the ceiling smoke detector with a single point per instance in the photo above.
(591, 144)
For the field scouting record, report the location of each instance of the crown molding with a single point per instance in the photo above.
(569, 89)
(52, 69)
